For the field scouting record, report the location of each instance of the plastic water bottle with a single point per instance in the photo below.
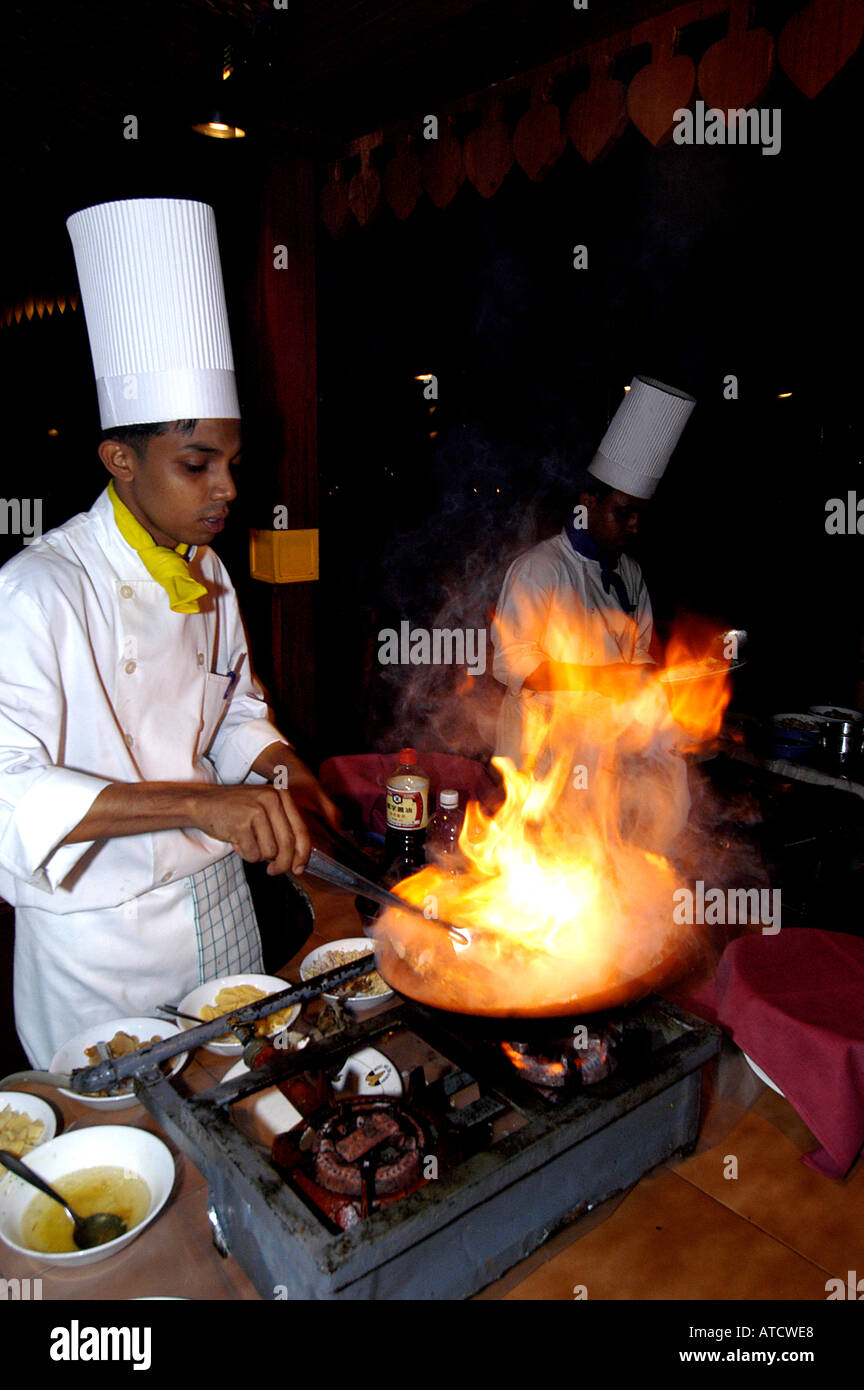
(442, 845)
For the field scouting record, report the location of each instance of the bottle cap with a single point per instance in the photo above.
(448, 798)
(408, 755)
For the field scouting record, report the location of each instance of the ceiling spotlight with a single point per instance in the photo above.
(218, 111)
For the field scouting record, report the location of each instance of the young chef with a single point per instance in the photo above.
(135, 746)
(574, 613)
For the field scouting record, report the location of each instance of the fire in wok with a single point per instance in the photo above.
(567, 891)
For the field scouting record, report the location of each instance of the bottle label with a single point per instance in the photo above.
(407, 810)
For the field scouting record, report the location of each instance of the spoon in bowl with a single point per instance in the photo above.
(97, 1229)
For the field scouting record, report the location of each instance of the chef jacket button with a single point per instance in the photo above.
(165, 877)
(131, 666)
(200, 658)
(127, 591)
(130, 742)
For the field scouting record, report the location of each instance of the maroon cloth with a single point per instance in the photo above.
(358, 782)
(794, 1003)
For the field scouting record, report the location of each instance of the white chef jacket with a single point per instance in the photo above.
(553, 607)
(101, 682)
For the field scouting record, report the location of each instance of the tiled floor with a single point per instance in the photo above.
(688, 1231)
(778, 1231)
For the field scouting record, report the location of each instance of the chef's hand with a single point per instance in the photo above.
(281, 766)
(624, 679)
(619, 679)
(259, 822)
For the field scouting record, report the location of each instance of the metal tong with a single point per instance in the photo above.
(143, 1063)
(322, 866)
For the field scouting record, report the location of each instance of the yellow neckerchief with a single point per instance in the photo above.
(167, 567)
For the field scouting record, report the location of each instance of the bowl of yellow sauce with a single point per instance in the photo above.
(114, 1168)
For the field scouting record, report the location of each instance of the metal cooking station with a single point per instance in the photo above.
(514, 1159)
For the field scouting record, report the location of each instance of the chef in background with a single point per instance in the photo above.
(135, 745)
(574, 625)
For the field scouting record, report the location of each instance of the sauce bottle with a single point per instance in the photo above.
(407, 816)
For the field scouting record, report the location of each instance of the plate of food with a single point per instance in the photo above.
(122, 1035)
(26, 1121)
(225, 996)
(359, 994)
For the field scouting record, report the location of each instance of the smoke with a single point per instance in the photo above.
(447, 576)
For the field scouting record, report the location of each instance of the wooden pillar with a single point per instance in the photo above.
(281, 387)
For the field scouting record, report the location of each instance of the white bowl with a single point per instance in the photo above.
(310, 966)
(762, 1075)
(98, 1146)
(72, 1054)
(206, 994)
(37, 1109)
(368, 1073)
(837, 713)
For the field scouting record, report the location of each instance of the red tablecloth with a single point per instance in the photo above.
(359, 781)
(794, 1003)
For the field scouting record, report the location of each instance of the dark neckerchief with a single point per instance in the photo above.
(609, 576)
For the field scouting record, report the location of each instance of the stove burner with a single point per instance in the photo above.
(368, 1148)
(582, 1057)
(355, 1158)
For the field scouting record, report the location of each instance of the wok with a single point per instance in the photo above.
(461, 987)
(454, 973)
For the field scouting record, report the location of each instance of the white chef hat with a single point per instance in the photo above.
(151, 286)
(634, 451)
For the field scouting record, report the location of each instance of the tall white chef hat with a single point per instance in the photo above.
(151, 286)
(641, 437)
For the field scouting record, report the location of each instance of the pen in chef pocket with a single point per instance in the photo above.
(234, 676)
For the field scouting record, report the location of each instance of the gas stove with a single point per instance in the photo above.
(492, 1144)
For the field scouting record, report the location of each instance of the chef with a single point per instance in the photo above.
(136, 748)
(574, 625)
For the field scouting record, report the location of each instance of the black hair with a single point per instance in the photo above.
(137, 437)
(595, 487)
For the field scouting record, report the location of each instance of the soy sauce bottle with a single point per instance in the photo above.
(407, 817)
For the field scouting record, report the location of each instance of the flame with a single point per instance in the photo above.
(567, 894)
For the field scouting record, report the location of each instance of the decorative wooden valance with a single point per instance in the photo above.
(811, 48)
(36, 305)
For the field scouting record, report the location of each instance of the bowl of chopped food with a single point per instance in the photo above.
(359, 994)
(113, 1168)
(122, 1036)
(225, 996)
(25, 1122)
